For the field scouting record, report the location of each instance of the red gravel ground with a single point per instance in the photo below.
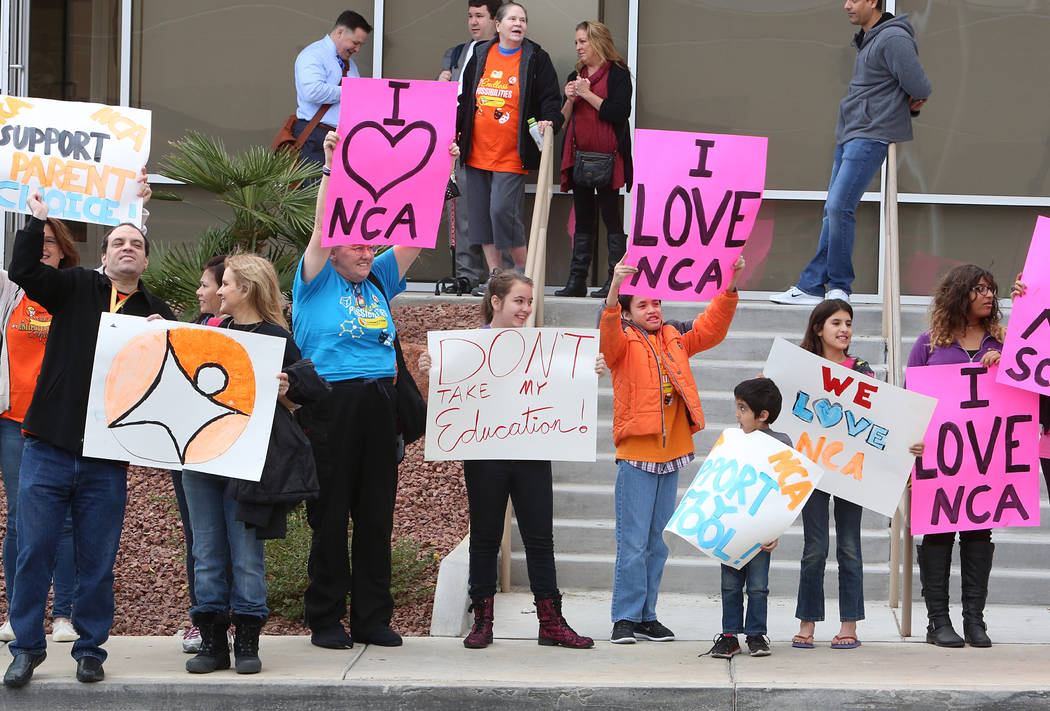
(150, 586)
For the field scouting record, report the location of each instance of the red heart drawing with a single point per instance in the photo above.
(381, 179)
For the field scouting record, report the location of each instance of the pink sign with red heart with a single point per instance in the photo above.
(391, 165)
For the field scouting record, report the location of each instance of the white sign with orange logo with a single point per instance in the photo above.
(180, 396)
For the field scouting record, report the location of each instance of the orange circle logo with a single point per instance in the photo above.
(183, 395)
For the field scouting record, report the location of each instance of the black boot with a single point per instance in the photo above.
(215, 647)
(935, 563)
(976, 567)
(246, 643)
(581, 262)
(617, 248)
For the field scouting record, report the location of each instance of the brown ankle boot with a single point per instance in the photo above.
(554, 630)
(481, 633)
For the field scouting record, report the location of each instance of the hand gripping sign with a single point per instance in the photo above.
(696, 198)
(84, 158)
(981, 467)
(180, 396)
(857, 428)
(1026, 351)
(391, 166)
(748, 491)
(513, 393)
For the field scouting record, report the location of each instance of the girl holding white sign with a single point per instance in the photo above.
(656, 412)
(964, 328)
(528, 484)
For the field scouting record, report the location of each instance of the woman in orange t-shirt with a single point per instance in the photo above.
(507, 81)
(25, 328)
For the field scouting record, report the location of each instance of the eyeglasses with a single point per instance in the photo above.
(983, 290)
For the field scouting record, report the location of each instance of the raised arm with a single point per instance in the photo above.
(44, 284)
(315, 256)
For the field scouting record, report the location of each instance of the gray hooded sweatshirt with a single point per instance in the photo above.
(887, 72)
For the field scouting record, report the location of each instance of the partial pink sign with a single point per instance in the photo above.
(1026, 352)
(981, 464)
(696, 197)
(391, 166)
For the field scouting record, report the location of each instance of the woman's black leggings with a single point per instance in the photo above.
(529, 486)
(609, 204)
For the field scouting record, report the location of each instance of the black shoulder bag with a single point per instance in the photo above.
(591, 169)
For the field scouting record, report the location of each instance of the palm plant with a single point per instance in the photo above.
(272, 213)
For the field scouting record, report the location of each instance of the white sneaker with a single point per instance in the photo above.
(794, 295)
(6, 633)
(63, 631)
(191, 640)
(838, 294)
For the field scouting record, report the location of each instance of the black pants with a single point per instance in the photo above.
(583, 200)
(354, 438)
(313, 148)
(947, 539)
(529, 485)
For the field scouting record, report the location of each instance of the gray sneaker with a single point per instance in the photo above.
(653, 631)
(623, 632)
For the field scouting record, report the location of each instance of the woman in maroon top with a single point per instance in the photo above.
(597, 106)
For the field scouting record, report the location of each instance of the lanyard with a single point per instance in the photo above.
(114, 304)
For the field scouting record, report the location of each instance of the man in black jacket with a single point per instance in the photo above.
(55, 476)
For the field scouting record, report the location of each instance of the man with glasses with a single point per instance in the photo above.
(342, 321)
(319, 69)
(888, 88)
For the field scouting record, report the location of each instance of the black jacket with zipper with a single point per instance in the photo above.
(539, 98)
(75, 298)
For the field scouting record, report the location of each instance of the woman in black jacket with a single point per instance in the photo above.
(507, 81)
(597, 106)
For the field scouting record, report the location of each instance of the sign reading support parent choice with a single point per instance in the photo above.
(391, 167)
(513, 393)
(1026, 351)
(857, 428)
(749, 490)
(180, 396)
(696, 198)
(84, 158)
(981, 467)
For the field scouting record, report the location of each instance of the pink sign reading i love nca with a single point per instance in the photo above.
(981, 467)
(391, 165)
(1026, 350)
(696, 198)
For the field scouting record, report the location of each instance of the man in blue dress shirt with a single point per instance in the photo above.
(318, 70)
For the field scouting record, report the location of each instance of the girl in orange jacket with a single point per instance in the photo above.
(656, 411)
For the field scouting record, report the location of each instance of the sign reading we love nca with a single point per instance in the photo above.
(749, 490)
(857, 428)
(981, 466)
(391, 166)
(696, 199)
(512, 393)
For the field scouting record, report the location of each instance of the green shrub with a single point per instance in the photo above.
(412, 565)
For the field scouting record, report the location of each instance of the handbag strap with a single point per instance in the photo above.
(309, 128)
(398, 353)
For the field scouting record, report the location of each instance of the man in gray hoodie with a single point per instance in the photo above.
(888, 88)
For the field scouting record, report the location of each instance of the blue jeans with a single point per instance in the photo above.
(64, 569)
(755, 576)
(187, 529)
(856, 163)
(816, 539)
(644, 505)
(221, 543)
(52, 483)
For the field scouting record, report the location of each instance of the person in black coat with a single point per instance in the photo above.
(507, 81)
(597, 107)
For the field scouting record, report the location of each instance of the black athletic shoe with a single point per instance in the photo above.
(758, 645)
(623, 632)
(726, 647)
(653, 631)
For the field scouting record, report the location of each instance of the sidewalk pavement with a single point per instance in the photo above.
(438, 673)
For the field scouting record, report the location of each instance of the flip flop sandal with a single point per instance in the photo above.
(844, 642)
(802, 641)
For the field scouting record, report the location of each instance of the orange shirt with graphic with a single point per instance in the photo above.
(26, 334)
(494, 142)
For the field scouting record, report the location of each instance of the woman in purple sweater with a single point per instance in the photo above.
(964, 328)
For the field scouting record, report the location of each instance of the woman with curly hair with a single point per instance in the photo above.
(964, 328)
